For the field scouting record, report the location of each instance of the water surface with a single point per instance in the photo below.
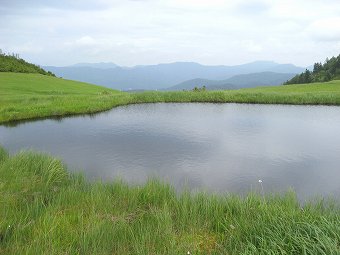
(213, 147)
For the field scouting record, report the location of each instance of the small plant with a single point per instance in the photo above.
(105, 92)
(262, 190)
(198, 89)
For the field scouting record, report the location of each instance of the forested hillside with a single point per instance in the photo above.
(13, 63)
(330, 70)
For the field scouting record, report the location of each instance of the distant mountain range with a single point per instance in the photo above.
(162, 76)
(237, 81)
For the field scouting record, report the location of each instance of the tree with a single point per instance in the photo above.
(317, 67)
(308, 76)
(330, 70)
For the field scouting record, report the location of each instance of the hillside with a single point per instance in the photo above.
(237, 81)
(25, 96)
(12, 63)
(162, 76)
(328, 71)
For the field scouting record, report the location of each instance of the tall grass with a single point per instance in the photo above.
(46, 210)
(27, 96)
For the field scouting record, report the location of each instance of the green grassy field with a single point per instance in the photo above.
(26, 96)
(46, 210)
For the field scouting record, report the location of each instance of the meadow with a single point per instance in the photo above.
(46, 210)
(27, 96)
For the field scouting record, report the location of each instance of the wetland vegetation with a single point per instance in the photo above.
(46, 210)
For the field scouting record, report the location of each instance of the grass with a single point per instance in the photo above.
(27, 96)
(46, 210)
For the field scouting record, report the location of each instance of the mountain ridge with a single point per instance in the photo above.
(237, 81)
(164, 75)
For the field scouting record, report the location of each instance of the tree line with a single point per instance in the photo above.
(330, 70)
(13, 63)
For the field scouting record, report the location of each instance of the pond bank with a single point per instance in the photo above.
(29, 96)
(46, 210)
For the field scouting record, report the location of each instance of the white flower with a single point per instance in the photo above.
(260, 181)
(188, 253)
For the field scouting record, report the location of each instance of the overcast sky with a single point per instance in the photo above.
(133, 32)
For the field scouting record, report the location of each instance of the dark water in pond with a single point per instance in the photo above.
(213, 147)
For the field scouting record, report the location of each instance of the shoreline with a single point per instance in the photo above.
(34, 96)
(16, 122)
(46, 209)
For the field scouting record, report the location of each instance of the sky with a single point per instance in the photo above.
(143, 32)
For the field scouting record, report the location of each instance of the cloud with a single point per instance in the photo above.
(252, 8)
(251, 46)
(85, 40)
(325, 29)
(153, 31)
(60, 4)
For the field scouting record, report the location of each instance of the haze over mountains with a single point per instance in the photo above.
(101, 65)
(164, 76)
(237, 81)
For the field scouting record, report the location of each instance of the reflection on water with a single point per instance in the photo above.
(214, 147)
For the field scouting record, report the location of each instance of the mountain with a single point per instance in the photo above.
(198, 82)
(162, 76)
(237, 81)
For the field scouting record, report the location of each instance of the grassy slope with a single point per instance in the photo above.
(10, 63)
(46, 210)
(25, 96)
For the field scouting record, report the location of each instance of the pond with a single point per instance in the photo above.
(209, 147)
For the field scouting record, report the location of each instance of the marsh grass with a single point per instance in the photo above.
(28, 96)
(46, 210)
